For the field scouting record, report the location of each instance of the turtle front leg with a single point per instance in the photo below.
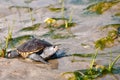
(12, 54)
(36, 57)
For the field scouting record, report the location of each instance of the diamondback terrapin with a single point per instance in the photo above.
(35, 49)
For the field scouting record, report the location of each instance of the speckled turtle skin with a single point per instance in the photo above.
(34, 49)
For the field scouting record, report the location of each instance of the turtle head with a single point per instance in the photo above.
(12, 54)
(49, 51)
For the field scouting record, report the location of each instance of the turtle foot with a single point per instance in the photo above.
(36, 57)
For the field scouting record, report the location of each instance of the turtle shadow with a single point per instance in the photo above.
(59, 54)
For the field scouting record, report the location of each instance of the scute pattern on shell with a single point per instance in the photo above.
(31, 46)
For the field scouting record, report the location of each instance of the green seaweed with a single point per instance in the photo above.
(14, 42)
(83, 74)
(117, 14)
(100, 44)
(60, 36)
(113, 63)
(88, 74)
(2, 52)
(21, 7)
(110, 25)
(107, 41)
(96, 71)
(53, 26)
(59, 18)
(31, 28)
(82, 44)
(62, 2)
(53, 35)
(101, 7)
(7, 39)
(54, 9)
(93, 59)
(69, 24)
(104, 42)
(49, 33)
(83, 55)
(113, 34)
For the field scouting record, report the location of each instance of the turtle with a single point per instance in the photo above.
(35, 49)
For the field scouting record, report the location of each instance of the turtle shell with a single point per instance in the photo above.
(32, 46)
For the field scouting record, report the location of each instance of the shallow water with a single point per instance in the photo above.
(15, 14)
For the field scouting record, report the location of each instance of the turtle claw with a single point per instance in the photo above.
(36, 57)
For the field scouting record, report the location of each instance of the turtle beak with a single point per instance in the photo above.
(8, 55)
(11, 54)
